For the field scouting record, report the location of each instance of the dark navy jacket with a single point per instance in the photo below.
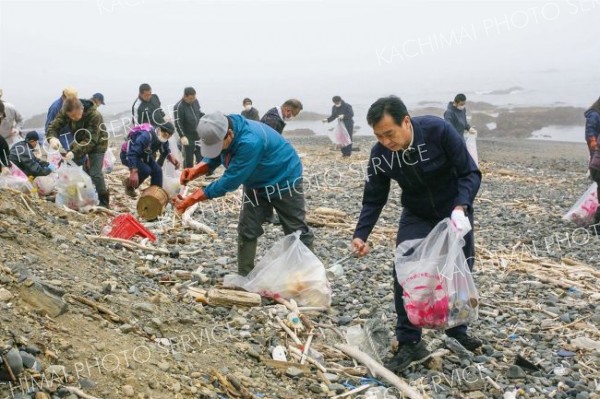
(53, 111)
(273, 119)
(252, 114)
(147, 111)
(21, 154)
(143, 147)
(457, 118)
(436, 176)
(346, 110)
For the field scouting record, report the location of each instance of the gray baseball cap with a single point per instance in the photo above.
(212, 129)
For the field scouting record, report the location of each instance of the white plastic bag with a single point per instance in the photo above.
(471, 142)
(289, 270)
(74, 188)
(584, 210)
(14, 178)
(340, 135)
(439, 291)
(171, 179)
(108, 164)
(45, 185)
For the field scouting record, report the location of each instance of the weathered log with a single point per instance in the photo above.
(223, 297)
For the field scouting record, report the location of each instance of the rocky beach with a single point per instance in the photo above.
(90, 318)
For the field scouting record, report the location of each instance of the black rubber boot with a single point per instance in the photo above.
(245, 256)
(104, 199)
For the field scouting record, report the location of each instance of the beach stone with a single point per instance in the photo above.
(294, 372)
(5, 295)
(515, 372)
(128, 391)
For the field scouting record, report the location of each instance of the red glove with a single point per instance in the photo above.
(187, 175)
(181, 204)
(134, 180)
(173, 160)
(591, 142)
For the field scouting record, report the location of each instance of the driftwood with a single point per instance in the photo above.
(79, 392)
(352, 392)
(380, 371)
(134, 245)
(101, 309)
(292, 335)
(187, 221)
(223, 297)
(232, 385)
(298, 353)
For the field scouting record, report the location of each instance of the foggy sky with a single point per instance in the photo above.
(310, 49)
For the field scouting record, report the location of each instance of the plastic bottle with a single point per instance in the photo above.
(294, 320)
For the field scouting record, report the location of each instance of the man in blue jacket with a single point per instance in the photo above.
(23, 156)
(256, 156)
(139, 155)
(592, 126)
(430, 162)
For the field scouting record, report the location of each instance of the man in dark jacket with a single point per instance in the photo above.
(139, 155)
(146, 108)
(343, 111)
(438, 179)
(265, 163)
(456, 115)
(21, 154)
(276, 116)
(187, 114)
(249, 111)
(4, 148)
(89, 138)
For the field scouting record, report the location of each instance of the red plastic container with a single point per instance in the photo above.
(126, 226)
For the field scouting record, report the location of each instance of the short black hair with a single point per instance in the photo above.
(391, 105)
(144, 87)
(459, 98)
(246, 101)
(1, 109)
(189, 91)
(336, 99)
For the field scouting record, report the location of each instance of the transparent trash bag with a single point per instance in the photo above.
(289, 270)
(340, 135)
(171, 179)
(45, 185)
(373, 338)
(74, 188)
(439, 291)
(108, 164)
(471, 142)
(584, 210)
(14, 178)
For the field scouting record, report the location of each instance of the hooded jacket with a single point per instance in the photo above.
(23, 157)
(457, 118)
(437, 175)
(187, 117)
(143, 145)
(90, 135)
(259, 158)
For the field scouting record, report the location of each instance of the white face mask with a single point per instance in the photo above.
(460, 107)
(248, 107)
(338, 105)
(162, 139)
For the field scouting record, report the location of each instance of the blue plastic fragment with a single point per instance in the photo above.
(565, 353)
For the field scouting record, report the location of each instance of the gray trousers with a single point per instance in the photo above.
(290, 207)
(95, 172)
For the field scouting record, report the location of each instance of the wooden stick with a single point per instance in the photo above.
(570, 324)
(288, 331)
(292, 308)
(297, 352)
(27, 205)
(493, 383)
(379, 370)
(352, 392)
(306, 347)
(101, 309)
(79, 392)
(9, 369)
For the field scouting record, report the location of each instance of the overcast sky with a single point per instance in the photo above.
(310, 49)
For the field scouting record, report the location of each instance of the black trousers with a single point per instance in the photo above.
(190, 152)
(413, 227)
(347, 150)
(290, 206)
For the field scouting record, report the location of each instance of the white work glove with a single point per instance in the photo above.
(341, 117)
(69, 156)
(185, 141)
(54, 143)
(324, 120)
(460, 222)
(472, 131)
